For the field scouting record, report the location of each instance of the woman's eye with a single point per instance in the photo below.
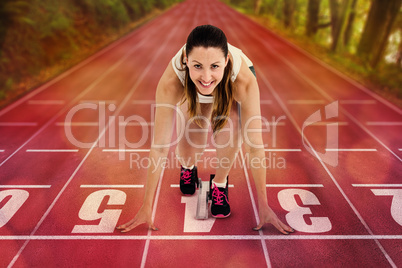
(197, 66)
(215, 66)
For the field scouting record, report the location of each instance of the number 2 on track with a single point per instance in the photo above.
(18, 198)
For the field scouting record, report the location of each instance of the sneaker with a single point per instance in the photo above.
(220, 207)
(188, 180)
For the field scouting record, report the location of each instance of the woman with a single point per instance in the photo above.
(204, 79)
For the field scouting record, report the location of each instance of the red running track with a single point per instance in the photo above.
(70, 171)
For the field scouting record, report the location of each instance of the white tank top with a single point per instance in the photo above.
(237, 56)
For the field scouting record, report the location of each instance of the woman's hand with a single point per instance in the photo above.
(267, 215)
(143, 216)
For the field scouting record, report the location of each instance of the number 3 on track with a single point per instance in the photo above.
(295, 217)
(18, 198)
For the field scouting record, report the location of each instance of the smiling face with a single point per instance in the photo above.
(206, 66)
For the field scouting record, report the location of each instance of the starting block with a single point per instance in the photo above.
(203, 200)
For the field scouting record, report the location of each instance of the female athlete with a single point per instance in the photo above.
(210, 83)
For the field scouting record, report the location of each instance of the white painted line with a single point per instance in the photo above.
(200, 237)
(210, 150)
(18, 124)
(384, 123)
(306, 102)
(178, 186)
(282, 150)
(350, 150)
(46, 102)
(358, 102)
(400, 149)
(329, 122)
(266, 102)
(294, 185)
(2, 151)
(25, 186)
(52, 150)
(149, 102)
(113, 186)
(98, 101)
(135, 124)
(377, 185)
(78, 124)
(126, 150)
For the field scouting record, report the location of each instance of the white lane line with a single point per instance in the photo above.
(46, 102)
(2, 151)
(112, 186)
(200, 237)
(25, 186)
(77, 124)
(294, 185)
(178, 186)
(306, 102)
(98, 101)
(135, 124)
(143, 102)
(266, 102)
(341, 124)
(52, 150)
(377, 185)
(282, 150)
(350, 150)
(358, 102)
(126, 150)
(18, 124)
(384, 124)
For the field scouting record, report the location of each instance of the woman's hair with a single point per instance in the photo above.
(210, 36)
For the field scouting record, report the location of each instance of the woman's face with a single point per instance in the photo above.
(206, 66)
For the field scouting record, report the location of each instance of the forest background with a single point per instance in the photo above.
(40, 39)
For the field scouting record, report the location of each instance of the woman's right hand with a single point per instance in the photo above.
(144, 215)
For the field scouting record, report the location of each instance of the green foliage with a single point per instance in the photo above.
(37, 35)
(386, 76)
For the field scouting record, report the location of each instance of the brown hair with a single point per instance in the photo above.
(210, 36)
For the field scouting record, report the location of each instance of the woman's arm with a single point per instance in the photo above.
(248, 94)
(168, 94)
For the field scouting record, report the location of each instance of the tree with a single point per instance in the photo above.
(288, 12)
(376, 31)
(313, 9)
(349, 27)
(339, 13)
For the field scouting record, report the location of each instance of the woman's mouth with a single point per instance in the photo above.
(206, 85)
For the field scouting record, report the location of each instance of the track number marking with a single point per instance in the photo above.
(191, 224)
(108, 218)
(295, 217)
(396, 205)
(18, 198)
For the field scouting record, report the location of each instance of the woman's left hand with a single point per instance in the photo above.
(267, 215)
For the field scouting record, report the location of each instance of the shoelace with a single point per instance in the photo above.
(186, 176)
(218, 195)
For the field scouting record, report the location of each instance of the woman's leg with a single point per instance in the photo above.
(228, 142)
(194, 137)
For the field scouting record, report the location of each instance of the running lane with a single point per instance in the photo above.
(73, 158)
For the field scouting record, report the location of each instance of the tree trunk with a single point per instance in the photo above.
(313, 10)
(391, 17)
(339, 13)
(257, 6)
(376, 30)
(349, 26)
(288, 12)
